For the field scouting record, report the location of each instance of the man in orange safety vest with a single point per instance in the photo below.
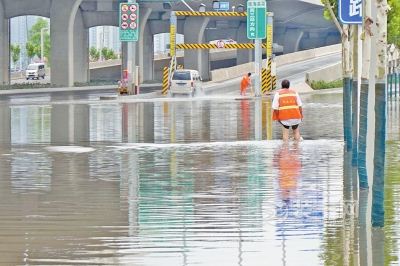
(287, 110)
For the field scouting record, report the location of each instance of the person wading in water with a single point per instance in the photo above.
(287, 110)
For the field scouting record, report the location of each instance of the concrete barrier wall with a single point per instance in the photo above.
(329, 73)
(106, 73)
(104, 64)
(237, 71)
(231, 72)
(307, 54)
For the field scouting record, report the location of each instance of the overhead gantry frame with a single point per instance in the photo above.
(268, 81)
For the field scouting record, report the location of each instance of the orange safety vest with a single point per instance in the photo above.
(288, 107)
(244, 83)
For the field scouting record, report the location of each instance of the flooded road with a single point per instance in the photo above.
(185, 183)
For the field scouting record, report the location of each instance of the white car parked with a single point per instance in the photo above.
(185, 81)
(36, 70)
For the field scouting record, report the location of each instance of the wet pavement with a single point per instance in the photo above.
(186, 183)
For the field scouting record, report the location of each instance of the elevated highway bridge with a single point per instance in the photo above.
(298, 25)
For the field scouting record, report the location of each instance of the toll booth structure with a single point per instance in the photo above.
(268, 72)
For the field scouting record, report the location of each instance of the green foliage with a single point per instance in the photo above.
(394, 22)
(108, 54)
(15, 52)
(30, 50)
(94, 54)
(33, 46)
(320, 84)
(333, 4)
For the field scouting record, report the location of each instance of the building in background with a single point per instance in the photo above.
(161, 42)
(105, 36)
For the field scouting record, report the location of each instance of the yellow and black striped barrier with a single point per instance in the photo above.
(165, 81)
(266, 78)
(273, 82)
(214, 46)
(210, 14)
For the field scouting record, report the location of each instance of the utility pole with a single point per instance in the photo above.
(256, 30)
(356, 56)
(378, 212)
(364, 126)
(258, 66)
(42, 43)
(131, 63)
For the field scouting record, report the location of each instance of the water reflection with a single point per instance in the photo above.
(180, 184)
(160, 122)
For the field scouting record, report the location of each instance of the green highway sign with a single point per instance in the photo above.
(128, 22)
(256, 19)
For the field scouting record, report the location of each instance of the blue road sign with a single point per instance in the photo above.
(223, 6)
(350, 11)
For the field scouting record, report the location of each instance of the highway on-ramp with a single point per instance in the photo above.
(295, 72)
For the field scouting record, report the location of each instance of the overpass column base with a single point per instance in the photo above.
(62, 16)
(144, 47)
(145, 52)
(81, 50)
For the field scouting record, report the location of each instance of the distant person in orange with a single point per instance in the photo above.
(245, 84)
(287, 108)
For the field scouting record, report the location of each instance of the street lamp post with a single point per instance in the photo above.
(42, 43)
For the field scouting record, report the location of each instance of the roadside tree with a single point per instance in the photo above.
(15, 53)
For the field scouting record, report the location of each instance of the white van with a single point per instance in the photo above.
(36, 70)
(185, 81)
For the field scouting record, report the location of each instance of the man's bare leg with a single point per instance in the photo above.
(285, 134)
(297, 135)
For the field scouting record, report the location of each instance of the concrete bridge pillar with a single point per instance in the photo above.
(62, 16)
(81, 50)
(145, 47)
(124, 55)
(243, 55)
(197, 59)
(4, 47)
(292, 40)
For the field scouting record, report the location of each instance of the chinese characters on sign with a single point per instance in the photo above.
(350, 11)
(252, 23)
(128, 22)
(355, 8)
(256, 19)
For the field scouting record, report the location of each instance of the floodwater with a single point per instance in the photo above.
(186, 183)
